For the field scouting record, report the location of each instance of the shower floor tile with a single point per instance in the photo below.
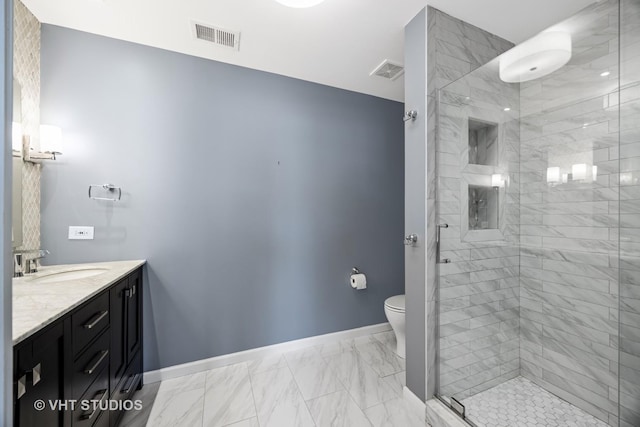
(521, 403)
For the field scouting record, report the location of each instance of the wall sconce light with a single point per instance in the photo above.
(16, 137)
(579, 172)
(626, 178)
(51, 140)
(496, 180)
(553, 175)
(594, 171)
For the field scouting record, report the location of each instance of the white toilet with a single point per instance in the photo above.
(394, 310)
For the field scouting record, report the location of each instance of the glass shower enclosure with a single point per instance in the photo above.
(539, 190)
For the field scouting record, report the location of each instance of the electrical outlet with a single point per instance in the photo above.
(80, 233)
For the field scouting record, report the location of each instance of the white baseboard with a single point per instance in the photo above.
(415, 402)
(258, 353)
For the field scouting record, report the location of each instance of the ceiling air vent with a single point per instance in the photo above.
(389, 70)
(217, 35)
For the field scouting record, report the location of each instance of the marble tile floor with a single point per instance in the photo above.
(521, 403)
(352, 383)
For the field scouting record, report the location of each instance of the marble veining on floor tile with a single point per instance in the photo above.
(520, 402)
(392, 413)
(278, 400)
(379, 356)
(337, 410)
(177, 408)
(332, 385)
(362, 382)
(314, 377)
(228, 396)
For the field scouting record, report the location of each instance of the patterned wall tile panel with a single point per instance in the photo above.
(26, 70)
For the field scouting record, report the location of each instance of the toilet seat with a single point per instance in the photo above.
(395, 303)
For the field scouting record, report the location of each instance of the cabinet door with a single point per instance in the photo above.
(40, 368)
(118, 305)
(134, 315)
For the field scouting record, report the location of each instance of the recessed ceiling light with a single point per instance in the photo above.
(300, 3)
(507, 109)
(605, 74)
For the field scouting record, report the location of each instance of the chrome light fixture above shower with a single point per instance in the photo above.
(299, 4)
(535, 58)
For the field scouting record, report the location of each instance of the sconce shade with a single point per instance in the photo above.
(553, 175)
(496, 180)
(50, 139)
(579, 172)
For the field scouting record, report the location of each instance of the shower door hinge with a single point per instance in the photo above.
(458, 407)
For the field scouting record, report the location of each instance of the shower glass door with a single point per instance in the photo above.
(478, 163)
(538, 183)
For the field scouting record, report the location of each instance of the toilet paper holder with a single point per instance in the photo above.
(355, 270)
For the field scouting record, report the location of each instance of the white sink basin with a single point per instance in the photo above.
(64, 276)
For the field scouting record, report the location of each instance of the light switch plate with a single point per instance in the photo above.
(80, 233)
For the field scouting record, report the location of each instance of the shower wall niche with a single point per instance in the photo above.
(483, 207)
(483, 143)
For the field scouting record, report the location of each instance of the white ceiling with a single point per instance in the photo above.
(337, 43)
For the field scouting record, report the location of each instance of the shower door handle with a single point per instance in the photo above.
(438, 260)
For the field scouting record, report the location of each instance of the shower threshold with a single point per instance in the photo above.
(521, 403)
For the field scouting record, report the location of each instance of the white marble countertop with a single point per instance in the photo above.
(36, 305)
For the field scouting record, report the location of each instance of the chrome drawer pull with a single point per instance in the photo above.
(22, 386)
(100, 358)
(96, 319)
(97, 407)
(129, 384)
(37, 374)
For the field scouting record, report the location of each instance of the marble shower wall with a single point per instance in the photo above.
(26, 70)
(443, 50)
(569, 225)
(630, 214)
(478, 290)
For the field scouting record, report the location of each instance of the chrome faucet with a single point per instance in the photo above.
(23, 265)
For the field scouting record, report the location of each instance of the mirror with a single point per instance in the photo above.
(16, 198)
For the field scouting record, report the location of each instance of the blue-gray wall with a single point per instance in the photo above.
(250, 194)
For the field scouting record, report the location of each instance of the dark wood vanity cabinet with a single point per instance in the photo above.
(40, 370)
(92, 353)
(126, 339)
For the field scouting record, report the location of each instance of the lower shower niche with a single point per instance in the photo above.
(483, 208)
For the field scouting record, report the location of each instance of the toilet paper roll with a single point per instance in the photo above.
(358, 281)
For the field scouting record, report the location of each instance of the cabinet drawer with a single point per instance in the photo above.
(89, 321)
(90, 364)
(99, 390)
(127, 387)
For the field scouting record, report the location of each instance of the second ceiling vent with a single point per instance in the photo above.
(216, 35)
(389, 70)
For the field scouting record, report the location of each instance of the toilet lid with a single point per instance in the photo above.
(395, 303)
